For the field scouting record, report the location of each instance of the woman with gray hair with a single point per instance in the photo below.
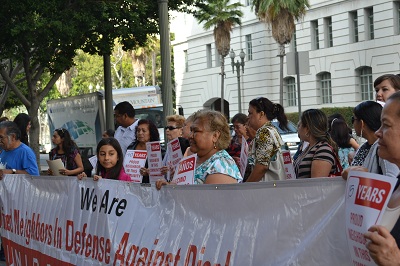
(209, 137)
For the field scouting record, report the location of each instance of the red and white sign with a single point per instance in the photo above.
(289, 169)
(367, 196)
(174, 154)
(184, 173)
(154, 160)
(244, 154)
(133, 161)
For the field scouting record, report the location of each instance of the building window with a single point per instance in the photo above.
(249, 47)
(291, 91)
(208, 55)
(353, 26)
(366, 84)
(369, 23)
(326, 88)
(314, 35)
(328, 32)
(217, 58)
(186, 61)
(396, 17)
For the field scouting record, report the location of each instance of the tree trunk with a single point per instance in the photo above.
(35, 128)
(281, 55)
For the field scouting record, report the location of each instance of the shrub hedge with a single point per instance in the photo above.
(346, 112)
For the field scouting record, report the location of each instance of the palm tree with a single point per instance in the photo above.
(222, 16)
(280, 15)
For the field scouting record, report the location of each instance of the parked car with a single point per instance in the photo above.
(289, 137)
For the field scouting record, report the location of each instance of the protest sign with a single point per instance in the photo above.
(184, 173)
(367, 196)
(133, 161)
(287, 161)
(154, 160)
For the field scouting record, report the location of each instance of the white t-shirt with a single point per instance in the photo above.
(126, 135)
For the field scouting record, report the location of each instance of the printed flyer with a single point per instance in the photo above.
(367, 196)
(133, 161)
(184, 174)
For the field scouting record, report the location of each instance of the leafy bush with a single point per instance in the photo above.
(346, 112)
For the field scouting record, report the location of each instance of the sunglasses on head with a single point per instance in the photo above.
(171, 127)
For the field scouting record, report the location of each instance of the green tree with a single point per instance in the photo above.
(43, 37)
(222, 16)
(281, 16)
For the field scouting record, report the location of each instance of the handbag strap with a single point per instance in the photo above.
(339, 167)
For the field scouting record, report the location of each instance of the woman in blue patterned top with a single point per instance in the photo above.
(209, 137)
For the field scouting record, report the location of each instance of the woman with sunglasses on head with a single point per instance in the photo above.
(366, 121)
(267, 143)
(66, 150)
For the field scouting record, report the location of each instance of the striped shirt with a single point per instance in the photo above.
(320, 151)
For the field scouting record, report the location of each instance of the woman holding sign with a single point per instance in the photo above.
(146, 131)
(382, 245)
(66, 150)
(209, 137)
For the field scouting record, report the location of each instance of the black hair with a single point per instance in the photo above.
(154, 134)
(68, 146)
(370, 113)
(110, 132)
(125, 108)
(340, 133)
(271, 110)
(113, 173)
(22, 120)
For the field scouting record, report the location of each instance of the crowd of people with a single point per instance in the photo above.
(327, 149)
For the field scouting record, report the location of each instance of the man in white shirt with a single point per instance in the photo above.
(124, 115)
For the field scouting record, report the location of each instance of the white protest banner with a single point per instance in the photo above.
(244, 154)
(184, 173)
(289, 169)
(367, 196)
(133, 161)
(61, 221)
(154, 159)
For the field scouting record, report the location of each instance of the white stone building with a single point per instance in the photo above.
(350, 44)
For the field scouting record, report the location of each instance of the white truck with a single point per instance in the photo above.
(84, 115)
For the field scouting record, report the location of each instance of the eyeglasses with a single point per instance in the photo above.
(353, 119)
(171, 128)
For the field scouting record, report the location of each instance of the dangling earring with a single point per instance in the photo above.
(361, 133)
(214, 145)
